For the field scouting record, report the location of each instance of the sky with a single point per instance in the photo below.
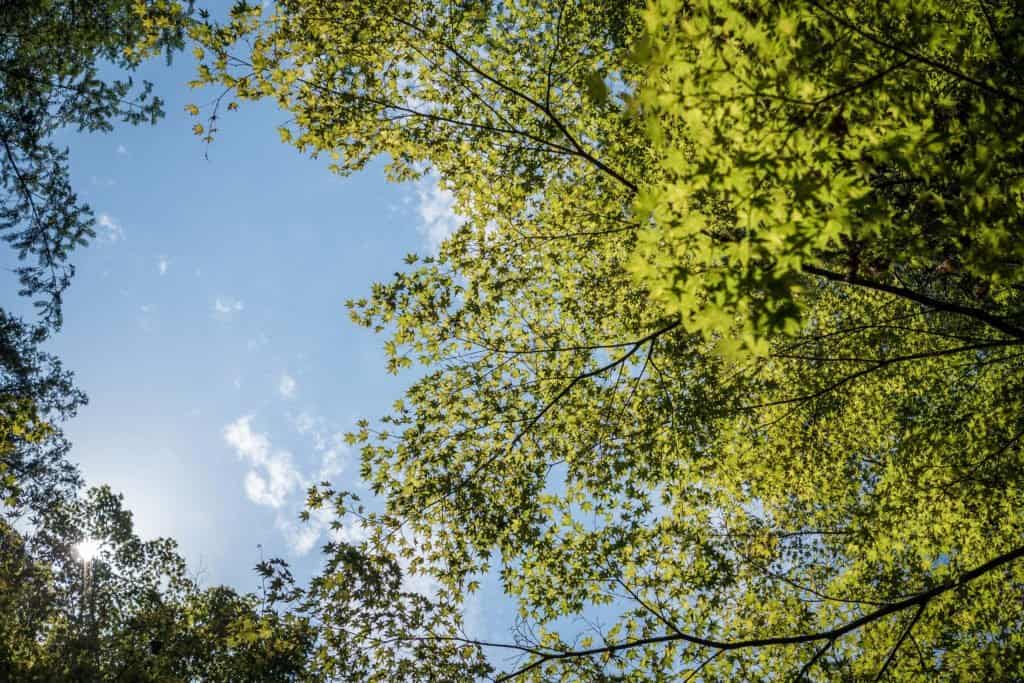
(206, 322)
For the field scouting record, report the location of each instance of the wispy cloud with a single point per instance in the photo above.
(122, 151)
(273, 476)
(110, 228)
(287, 386)
(303, 536)
(162, 263)
(276, 481)
(304, 423)
(226, 306)
(327, 442)
(436, 208)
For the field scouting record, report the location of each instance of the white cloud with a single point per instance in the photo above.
(332, 462)
(273, 476)
(162, 264)
(274, 480)
(146, 308)
(227, 305)
(122, 151)
(287, 386)
(250, 445)
(111, 227)
(301, 536)
(437, 211)
(330, 444)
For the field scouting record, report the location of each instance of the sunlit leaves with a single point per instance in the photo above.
(804, 134)
(726, 347)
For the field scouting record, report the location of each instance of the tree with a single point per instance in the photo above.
(36, 392)
(49, 80)
(369, 625)
(50, 59)
(130, 613)
(726, 349)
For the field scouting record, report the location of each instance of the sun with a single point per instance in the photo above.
(88, 549)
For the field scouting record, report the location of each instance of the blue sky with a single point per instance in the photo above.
(207, 325)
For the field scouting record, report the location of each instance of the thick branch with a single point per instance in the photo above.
(993, 321)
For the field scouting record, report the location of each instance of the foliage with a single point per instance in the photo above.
(51, 56)
(131, 613)
(860, 139)
(49, 80)
(19, 425)
(725, 352)
(36, 392)
(370, 623)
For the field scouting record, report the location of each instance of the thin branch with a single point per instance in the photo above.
(903, 637)
(917, 600)
(55, 293)
(565, 391)
(657, 613)
(814, 660)
(539, 106)
(552, 349)
(884, 361)
(923, 59)
(878, 364)
(700, 667)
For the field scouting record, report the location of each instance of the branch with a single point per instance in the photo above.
(813, 660)
(918, 600)
(895, 359)
(877, 364)
(48, 256)
(933, 63)
(636, 346)
(903, 637)
(947, 306)
(581, 151)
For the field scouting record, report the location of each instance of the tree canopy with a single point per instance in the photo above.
(131, 613)
(724, 351)
(719, 373)
(50, 79)
(51, 56)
